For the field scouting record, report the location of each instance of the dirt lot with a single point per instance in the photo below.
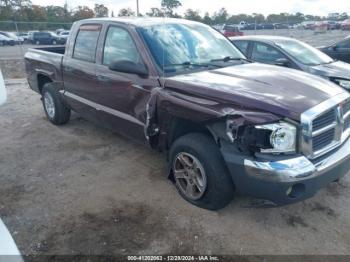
(80, 189)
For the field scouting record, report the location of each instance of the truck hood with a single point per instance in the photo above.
(281, 91)
(337, 69)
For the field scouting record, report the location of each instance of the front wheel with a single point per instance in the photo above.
(55, 110)
(200, 174)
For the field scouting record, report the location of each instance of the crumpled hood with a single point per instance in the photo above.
(281, 91)
(337, 69)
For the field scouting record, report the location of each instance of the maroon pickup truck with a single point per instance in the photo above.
(226, 124)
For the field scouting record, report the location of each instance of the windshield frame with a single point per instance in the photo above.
(280, 44)
(187, 70)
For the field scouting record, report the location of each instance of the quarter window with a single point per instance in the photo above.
(265, 53)
(119, 46)
(242, 46)
(86, 43)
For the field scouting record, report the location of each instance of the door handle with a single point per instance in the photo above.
(104, 78)
(69, 69)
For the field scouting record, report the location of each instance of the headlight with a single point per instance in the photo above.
(343, 83)
(282, 137)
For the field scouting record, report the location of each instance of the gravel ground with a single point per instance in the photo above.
(81, 189)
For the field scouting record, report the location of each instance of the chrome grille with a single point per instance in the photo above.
(325, 126)
(324, 120)
(322, 140)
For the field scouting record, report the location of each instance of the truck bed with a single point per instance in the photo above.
(52, 49)
(44, 62)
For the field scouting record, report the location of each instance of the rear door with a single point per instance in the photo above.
(79, 70)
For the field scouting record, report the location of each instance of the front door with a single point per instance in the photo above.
(123, 96)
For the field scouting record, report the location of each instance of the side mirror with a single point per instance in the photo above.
(282, 62)
(129, 67)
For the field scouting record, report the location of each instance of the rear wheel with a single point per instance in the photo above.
(200, 174)
(55, 110)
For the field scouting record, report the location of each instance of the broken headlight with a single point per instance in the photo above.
(282, 137)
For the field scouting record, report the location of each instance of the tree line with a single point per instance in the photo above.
(25, 11)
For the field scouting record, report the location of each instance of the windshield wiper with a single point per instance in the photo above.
(189, 64)
(229, 58)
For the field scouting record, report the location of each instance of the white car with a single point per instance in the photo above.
(8, 249)
(2, 90)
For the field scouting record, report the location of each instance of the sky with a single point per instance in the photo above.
(313, 7)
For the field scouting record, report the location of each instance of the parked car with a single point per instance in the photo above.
(339, 50)
(345, 25)
(267, 26)
(63, 36)
(30, 36)
(44, 38)
(58, 31)
(231, 30)
(4, 40)
(182, 88)
(292, 53)
(24, 36)
(13, 37)
(308, 25)
(333, 25)
(280, 26)
(253, 27)
(321, 27)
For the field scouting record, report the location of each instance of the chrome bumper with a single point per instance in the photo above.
(298, 168)
(286, 181)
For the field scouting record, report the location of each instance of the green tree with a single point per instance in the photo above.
(170, 5)
(55, 13)
(193, 15)
(221, 16)
(101, 10)
(126, 12)
(82, 12)
(155, 12)
(207, 19)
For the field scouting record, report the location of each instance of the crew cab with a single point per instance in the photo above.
(181, 87)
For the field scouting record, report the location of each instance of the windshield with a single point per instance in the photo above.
(177, 46)
(304, 53)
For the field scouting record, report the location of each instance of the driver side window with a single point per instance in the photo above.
(265, 53)
(344, 44)
(119, 46)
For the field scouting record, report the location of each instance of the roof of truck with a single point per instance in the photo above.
(141, 21)
(262, 38)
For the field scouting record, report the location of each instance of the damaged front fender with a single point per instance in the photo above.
(222, 120)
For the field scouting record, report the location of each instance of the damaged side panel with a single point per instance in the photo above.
(221, 120)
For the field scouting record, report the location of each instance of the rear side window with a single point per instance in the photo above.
(86, 43)
(242, 46)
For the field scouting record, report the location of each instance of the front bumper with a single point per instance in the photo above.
(286, 180)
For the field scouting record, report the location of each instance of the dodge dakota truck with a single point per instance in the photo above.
(226, 125)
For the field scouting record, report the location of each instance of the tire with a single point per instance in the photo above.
(55, 110)
(217, 186)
